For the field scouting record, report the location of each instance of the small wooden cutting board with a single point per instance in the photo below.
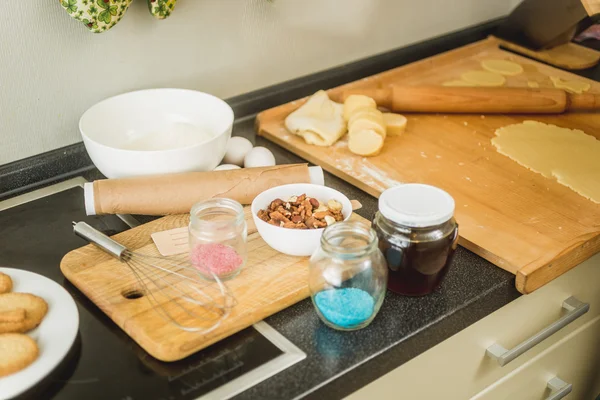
(270, 282)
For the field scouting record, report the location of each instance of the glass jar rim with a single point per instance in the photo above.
(217, 203)
(339, 229)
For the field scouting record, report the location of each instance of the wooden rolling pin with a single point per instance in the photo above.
(485, 100)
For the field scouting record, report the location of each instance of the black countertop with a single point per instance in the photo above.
(337, 363)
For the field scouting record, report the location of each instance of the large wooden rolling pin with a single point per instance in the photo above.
(485, 100)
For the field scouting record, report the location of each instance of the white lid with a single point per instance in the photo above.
(416, 205)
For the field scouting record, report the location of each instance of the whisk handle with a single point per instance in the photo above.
(93, 235)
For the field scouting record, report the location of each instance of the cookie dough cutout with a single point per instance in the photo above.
(570, 86)
(369, 122)
(533, 84)
(483, 78)
(569, 155)
(458, 83)
(5, 283)
(35, 310)
(365, 143)
(503, 67)
(395, 124)
(364, 112)
(17, 351)
(356, 101)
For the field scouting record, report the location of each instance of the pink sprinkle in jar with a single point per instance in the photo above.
(218, 235)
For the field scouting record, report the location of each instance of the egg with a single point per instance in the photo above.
(225, 167)
(237, 148)
(259, 157)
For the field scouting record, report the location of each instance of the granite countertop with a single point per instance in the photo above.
(337, 363)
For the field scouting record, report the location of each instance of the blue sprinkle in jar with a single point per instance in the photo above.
(348, 276)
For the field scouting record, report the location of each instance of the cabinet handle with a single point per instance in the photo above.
(559, 388)
(574, 308)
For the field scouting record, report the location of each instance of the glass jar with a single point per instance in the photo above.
(417, 236)
(217, 237)
(348, 276)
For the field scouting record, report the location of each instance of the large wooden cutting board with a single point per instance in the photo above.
(270, 282)
(524, 223)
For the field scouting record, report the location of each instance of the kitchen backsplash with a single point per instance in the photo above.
(52, 68)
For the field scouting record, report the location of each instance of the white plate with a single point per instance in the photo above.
(54, 336)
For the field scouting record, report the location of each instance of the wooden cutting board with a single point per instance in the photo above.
(270, 282)
(524, 223)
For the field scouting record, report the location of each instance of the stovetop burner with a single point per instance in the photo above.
(104, 363)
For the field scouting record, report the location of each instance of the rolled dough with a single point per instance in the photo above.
(503, 67)
(533, 84)
(569, 155)
(570, 86)
(483, 78)
(458, 82)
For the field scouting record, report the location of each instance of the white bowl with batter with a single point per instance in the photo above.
(157, 131)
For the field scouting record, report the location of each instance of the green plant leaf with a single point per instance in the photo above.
(104, 16)
(102, 4)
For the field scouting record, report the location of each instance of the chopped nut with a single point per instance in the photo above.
(320, 224)
(264, 215)
(302, 212)
(321, 208)
(321, 214)
(334, 205)
(329, 220)
(277, 216)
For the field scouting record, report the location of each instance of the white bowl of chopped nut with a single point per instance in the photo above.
(291, 218)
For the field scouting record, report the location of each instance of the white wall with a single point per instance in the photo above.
(52, 69)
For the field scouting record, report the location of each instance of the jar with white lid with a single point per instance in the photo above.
(417, 236)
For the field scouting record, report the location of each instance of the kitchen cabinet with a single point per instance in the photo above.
(459, 367)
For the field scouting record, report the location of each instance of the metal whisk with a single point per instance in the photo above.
(174, 287)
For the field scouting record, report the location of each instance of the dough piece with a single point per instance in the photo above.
(5, 283)
(17, 351)
(35, 310)
(570, 86)
(395, 124)
(503, 67)
(356, 101)
(484, 78)
(373, 122)
(458, 82)
(361, 112)
(569, 155)
(365, 143)
(319, 118)
(533, 84)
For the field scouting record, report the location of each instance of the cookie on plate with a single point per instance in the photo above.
(17, 351)
(35, 310)
(5, 283)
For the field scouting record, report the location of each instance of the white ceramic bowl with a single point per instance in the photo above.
(295, 242)
(157, 131)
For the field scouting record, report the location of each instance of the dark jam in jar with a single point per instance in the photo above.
(417, 236)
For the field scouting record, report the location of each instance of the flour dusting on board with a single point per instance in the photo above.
(378, 174)
(367, 173)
